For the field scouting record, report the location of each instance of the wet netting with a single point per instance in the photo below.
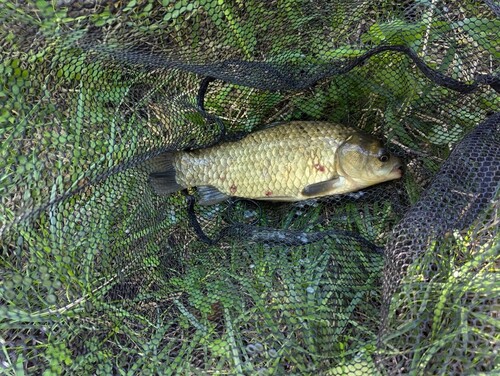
(101, 275)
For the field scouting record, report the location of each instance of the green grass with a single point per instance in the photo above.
(250, 309)
(108, 277)
(448, 311)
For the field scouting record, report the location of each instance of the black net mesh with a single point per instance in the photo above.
(100, 275)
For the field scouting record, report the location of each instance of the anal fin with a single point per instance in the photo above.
(210, 195)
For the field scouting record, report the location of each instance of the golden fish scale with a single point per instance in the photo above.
(275, 162)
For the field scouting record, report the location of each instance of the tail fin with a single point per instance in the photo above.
(162, 179)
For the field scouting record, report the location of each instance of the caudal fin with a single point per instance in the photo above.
(162, 179)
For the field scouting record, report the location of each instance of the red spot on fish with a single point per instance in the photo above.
(319, 167)
(269, 193)
(233, 189)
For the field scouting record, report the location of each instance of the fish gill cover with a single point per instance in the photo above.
(100, 275)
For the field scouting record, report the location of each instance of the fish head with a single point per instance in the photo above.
(363, 159)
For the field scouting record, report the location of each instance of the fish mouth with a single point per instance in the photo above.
(397, 170)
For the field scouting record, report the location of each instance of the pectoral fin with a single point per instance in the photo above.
(210, 195)
(322, 188)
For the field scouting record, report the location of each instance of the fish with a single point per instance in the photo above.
(289, 161)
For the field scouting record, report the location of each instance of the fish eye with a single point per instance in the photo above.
(384, 158)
